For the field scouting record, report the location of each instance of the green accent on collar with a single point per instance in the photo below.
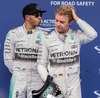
(65, 35)
(29, 32)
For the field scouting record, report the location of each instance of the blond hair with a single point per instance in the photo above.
(65, 10)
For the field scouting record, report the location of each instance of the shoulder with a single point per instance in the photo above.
(14, 30)
(75, 32)
(41, 30)
(50, 35)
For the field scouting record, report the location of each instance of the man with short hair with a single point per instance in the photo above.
(62, 49)
(20, 53)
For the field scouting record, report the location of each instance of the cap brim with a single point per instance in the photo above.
(39, 11)
(43, 11)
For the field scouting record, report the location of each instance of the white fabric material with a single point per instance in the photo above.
(20, 57)
(64, 58)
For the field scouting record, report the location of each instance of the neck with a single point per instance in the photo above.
(29, 27)
(63, 32)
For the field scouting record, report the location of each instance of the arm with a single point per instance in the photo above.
(87, 29)
(43, 60)
(9, 51)
(89, 32)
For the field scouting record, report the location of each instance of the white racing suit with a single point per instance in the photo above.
(20, 57)
(64, 58)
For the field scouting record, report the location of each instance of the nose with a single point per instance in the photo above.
(39, 17)
(57, 23)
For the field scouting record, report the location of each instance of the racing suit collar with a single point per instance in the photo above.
(27, 30)
(68, 33)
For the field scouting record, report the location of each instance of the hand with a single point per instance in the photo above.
(75, 17)
(50, 78)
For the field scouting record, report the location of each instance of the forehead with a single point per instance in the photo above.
(61, 17)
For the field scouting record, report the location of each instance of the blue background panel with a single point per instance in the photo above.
(88, 10)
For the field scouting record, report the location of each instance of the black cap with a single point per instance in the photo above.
(31, 9)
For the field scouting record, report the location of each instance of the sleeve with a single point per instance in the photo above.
(43, 60)
(88, 33)
(9, 51)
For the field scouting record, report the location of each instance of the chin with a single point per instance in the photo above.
(60, 31)
(38, 25)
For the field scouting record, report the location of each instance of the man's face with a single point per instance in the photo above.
(34, 20)
(62, 23)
